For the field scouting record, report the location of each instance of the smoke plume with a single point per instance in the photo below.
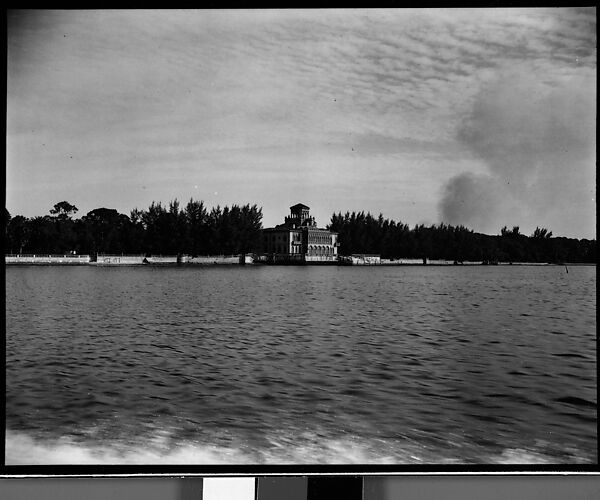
(537, 140)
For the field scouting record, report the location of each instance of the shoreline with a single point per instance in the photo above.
(130, 261)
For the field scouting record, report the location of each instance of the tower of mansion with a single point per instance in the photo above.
(299, 240)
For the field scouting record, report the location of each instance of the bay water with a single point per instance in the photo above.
(294, 365)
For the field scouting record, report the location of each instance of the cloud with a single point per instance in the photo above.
(536, 135)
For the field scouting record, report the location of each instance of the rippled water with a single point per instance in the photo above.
(301, 365)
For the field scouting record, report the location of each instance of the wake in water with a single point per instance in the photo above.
(22, 449)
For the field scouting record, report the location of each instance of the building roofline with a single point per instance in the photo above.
(282, 228)
(299, 205)
(298, 228)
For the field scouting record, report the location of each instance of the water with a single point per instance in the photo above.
(292, 365)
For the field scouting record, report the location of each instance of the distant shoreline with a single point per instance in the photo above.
(240, 260)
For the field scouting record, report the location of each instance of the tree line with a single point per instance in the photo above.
(159, 230)
(196, 230)
(364, 233)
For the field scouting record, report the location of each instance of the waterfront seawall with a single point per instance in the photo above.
(119, 260)
(172, 260)
(57, 260)
(207, 260)
(128, 260)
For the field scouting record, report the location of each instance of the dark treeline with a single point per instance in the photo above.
(363, 233)
(196, 230)
(159, 230)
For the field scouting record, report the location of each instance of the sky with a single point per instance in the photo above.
(484, 117)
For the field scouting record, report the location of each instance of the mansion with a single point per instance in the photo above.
(299, 240)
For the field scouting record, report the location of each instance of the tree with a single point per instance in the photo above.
(197, 230)
(17, 234)
(64, 210)
(43, 237)
(107, 231)
(7, 218)
(541, 233)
